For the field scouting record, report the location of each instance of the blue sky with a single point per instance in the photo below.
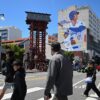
(14, 11)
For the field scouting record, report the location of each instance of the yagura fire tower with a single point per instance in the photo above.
(37, 26)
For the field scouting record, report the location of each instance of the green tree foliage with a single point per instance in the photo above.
(18, 51)
(69, 55)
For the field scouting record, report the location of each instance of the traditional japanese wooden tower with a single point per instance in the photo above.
(37, 26)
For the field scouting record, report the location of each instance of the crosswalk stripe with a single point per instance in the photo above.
(78, 82)
(35, 89)
(92, 97)
(8, 95)
(75, 87)
(80, 87)
(83, 86)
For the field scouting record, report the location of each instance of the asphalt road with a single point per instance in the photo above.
(36, 85)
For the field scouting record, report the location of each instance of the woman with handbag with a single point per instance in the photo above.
(91, 78)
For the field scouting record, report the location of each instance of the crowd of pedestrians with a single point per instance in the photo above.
(60, 76)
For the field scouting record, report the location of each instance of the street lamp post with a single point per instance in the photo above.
(1, 18)
(0, 52)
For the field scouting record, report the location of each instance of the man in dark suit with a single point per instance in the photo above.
(60, 75)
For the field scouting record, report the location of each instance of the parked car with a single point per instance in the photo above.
(98, 67)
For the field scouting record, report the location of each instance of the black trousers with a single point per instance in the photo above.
(93, 87)
(60, 97)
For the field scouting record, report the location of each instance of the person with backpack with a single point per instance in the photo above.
(8, 72)
(91, 78)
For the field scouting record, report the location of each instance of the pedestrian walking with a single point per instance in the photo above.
(91, 73)
(26, 60)
(8, 72)
(60, 74)
(20, 87)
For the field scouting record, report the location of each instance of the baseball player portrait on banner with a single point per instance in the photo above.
(74, 32)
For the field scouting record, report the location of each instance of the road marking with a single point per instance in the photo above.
(8, 95)
(93, 96)
(76, 87)
(78, 82)
(84, 86)
(73, 86)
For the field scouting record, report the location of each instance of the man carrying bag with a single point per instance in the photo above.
(91, 78)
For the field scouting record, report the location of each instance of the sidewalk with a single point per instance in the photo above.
(32, 71)
(28, 71)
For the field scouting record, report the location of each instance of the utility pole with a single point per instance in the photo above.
(0, 52)
(2, 18)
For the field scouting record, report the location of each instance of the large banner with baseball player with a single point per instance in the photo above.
(74, 32)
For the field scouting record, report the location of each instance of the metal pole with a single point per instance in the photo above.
(0, 52)
(2, 17)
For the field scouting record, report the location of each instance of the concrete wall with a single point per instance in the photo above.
(14, 33)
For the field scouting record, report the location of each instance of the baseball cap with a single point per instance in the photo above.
(72, 14)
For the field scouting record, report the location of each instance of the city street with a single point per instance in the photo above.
(62, 32)
(36, 85)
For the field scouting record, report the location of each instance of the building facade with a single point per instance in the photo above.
(10, 33)
(25, 43)
(22, 42)
(92, 23)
